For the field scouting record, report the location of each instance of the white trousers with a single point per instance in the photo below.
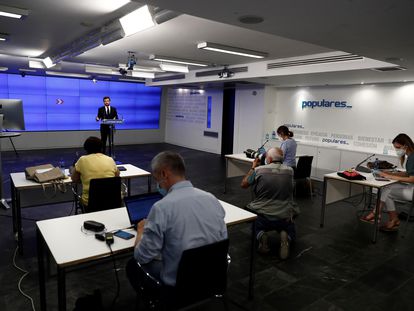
(398, 191)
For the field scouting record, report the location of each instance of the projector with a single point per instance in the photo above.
(225, 73)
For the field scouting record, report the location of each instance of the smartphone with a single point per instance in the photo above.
(124, 235)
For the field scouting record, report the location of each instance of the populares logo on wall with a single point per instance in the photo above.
(341, 104)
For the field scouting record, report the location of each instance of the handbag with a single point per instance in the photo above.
(351, 175)
(382, 165)
(47, 174)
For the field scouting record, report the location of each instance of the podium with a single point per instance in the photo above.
(111, 123)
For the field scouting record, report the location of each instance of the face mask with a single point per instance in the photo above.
(400, 152)
(162, 191)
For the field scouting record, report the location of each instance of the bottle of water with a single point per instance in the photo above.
(273, 135)
(62, 165)
(267, 136)
(376, 164)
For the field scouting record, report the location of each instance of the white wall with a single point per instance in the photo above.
(69, 139)
(378, 114)
(186, 119)
(248, 118)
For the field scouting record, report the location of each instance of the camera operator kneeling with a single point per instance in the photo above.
(272, 185)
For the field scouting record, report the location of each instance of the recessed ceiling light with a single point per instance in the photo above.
(67, 74)
(12, 12)
(231, 50)
(362, 82)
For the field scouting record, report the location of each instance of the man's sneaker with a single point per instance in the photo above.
(263, 244)
(284, 245)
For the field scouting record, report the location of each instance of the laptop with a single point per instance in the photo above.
(378, 177)
(139, 206)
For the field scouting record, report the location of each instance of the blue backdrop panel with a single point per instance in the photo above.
(55, 103)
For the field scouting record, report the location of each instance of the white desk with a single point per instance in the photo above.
(336, 188)
(34, 194)
(238, 165)
(69, 246)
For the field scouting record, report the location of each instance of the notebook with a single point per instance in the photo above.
(139, 206)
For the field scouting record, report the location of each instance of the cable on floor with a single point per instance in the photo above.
(19, 284)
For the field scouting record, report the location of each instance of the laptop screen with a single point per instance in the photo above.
(139, 206)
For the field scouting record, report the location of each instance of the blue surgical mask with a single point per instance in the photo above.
(162, 191)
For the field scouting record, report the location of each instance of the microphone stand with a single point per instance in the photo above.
(363, 169)
(263, 144)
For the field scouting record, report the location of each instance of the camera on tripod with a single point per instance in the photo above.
(256, 154)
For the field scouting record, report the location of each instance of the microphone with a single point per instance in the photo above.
(363, 169)
(267, 140)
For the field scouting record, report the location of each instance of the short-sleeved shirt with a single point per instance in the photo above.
(95, 165)
(409, 165)
(288, 147)
(185, 218)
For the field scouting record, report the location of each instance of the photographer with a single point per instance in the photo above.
(273, 188)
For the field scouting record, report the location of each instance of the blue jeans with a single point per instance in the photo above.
(263, 224)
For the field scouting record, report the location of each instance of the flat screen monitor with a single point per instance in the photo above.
(12, 111)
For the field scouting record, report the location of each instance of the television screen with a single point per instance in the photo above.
(56, 104)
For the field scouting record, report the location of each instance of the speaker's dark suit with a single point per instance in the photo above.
(105, 127)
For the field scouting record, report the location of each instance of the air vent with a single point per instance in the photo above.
(313, 61)
(216, 72)
(388, 69)
(166, 78)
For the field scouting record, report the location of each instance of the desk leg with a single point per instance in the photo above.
(377, 211)
(323, 206)
(129, 186)
(19, 222)
(61, 288)
(252, 262)
(41, 270)
(227, 174)
(13, 198)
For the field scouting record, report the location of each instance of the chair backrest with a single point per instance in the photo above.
(104, 193)
(304, 167)
(202, 273)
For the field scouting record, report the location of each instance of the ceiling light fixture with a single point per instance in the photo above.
(4, 68)
(36, 64)
(48, 62)
(178, 61)
(136, 21)
(27, 70)
(12, 12)
(141, 74)
(173, 68)
(4, 37)
(67, 74)
(231, 50)
(98, 69)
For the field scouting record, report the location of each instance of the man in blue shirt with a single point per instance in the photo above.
(185, 218)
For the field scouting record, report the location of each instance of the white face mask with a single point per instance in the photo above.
(400, 152)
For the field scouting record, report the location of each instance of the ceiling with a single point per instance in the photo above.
(377, 29)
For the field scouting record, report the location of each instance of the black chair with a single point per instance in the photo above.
(201, 276)
(303, 171)
(104, 193)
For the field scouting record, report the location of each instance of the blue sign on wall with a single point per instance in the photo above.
(54, 104)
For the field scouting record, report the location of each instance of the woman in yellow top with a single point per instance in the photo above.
(93, 165)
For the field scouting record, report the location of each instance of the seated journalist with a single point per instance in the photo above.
(92, 165)
(185, 218)
(403, 190)
(272, 185)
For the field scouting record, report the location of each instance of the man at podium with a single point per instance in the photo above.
(106, 112)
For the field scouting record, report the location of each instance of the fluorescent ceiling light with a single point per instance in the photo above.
(48, 62)
(141, 68)
(12, 12)
(179, 61)
(4, 37)
(36, 64)
(130, 80)
(137, 20)
(98, 69)
(27, 70)
(67, 74)
(173, 68)
(141, 74)
(230, 50)
(4, 68)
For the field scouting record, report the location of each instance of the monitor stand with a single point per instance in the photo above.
(3, 202)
